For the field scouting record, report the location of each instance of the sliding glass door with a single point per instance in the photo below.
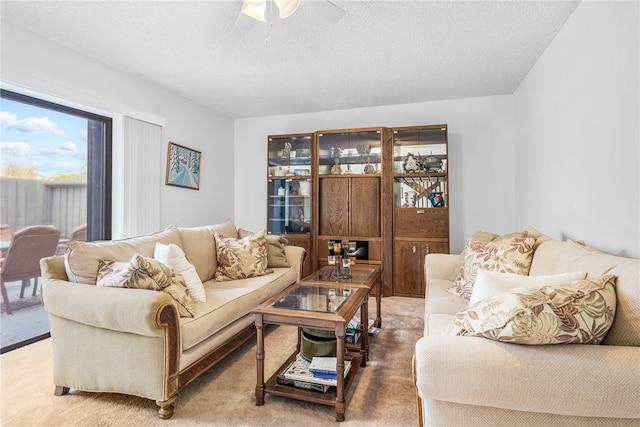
(55, 170)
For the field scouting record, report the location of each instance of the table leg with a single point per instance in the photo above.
(364, 331)
(378, 322)
(340, 350)
(260, 387)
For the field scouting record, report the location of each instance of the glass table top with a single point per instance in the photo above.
(331, 274)
(321, 299)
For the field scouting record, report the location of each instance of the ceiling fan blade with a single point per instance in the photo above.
(325, 9)
(244, 22)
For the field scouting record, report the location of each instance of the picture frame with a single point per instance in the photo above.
(183, 166)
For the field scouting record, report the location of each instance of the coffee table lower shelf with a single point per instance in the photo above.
(328, 398)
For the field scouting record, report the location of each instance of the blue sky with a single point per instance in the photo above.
(51, 142)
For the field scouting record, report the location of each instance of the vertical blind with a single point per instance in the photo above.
(142, 177)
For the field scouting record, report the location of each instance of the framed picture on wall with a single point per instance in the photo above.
(183, 167)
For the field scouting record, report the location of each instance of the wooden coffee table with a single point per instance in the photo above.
(362, 276)
(307, 305)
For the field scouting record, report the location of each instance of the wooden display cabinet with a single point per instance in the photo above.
(350, 200)
(289, 190)
(421, 203)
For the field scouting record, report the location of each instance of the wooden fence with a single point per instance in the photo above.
(25, 202)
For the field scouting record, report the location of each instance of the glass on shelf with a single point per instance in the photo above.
(420, 151)
(420, 192)
(289, 206)
(289, 156)
(349, 153)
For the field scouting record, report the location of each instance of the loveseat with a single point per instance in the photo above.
(466, 378)
(142, 342)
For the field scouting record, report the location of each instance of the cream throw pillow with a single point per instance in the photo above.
(147, 273)
(512, 255)
(241, 258)
(489, 283)
(173, 256)
(580, 312)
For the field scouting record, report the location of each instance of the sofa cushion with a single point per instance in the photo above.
(580, 312)
(275, 249)
(509, 255)
(489, 283)
(241, 258)
(228, 301)
(147, 273)
(174, 257)
(483, 236)
(199, 246)
(82, 261)
(440, 306)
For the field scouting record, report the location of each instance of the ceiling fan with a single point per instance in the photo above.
(254, 11)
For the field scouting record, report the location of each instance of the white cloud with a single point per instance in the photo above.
(69, 148)
(8, 120)
(16, 148)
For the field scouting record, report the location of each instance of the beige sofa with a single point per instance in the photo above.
(133, 341)
(464, 380)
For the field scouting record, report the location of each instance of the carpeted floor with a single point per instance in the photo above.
(381, 395)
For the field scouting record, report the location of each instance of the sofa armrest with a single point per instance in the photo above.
(440, 266)
(295, 256)
(136, 311)
(576, 380)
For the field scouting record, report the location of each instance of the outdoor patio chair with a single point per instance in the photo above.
(6, 233)
(22, 262)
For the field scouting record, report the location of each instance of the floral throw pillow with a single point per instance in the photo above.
(147, 273)
(241, 258)
(512, 255)
(579, 312)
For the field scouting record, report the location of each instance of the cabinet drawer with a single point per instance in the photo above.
(422, 222)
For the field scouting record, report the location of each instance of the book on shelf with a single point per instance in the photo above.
(299, 370)
(323, 364)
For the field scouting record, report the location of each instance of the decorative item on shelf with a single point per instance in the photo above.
(279, 171)
(281, 191)
(431, 164)
(300, 172)
(369, 168)
(411, 164)
(436, 199)
(305, 188)
(363, 149)
(299, 224)
(286, 150)
(292, 154)
(410, 199)
(336, 169)
(303, 152)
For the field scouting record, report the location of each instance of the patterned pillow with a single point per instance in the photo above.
(513, 255)
(580, 312)
(147, 273)
(275, 249)
(241, 258)
(483, 236)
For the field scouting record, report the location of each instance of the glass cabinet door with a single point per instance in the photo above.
(420, 167)
(349, 153)
(289, 184)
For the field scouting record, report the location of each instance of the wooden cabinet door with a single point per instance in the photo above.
(365, 207)
(408, 265)
(408, 268)
(334, 206)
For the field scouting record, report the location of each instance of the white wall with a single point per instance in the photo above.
(577, 150)
(37, 64)
(481, 150)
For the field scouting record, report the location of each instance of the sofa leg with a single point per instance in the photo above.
(61, 390)
(166, 408)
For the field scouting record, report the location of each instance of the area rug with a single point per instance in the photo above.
(381, 395)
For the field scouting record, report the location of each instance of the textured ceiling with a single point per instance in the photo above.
(380, 53)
